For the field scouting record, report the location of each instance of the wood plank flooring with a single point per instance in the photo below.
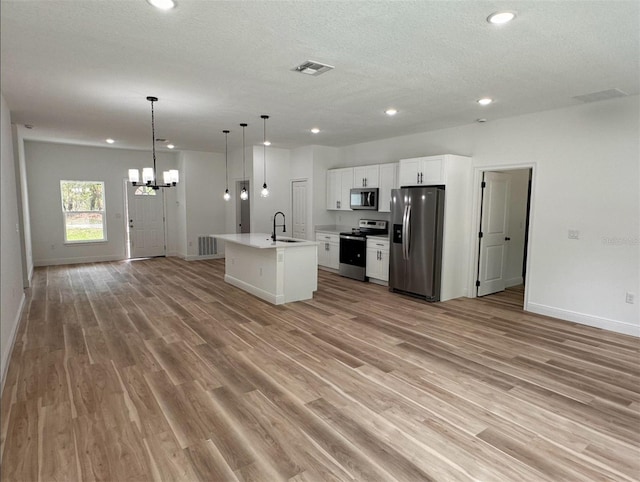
(158, 370)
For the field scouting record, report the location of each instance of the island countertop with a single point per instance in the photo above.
(262, 240)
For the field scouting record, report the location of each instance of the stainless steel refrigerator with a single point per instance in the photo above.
(417, 217)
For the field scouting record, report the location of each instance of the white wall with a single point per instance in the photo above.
(49, 163)
(11, 289)
(204, 207)
(278, 182)
(585, 178)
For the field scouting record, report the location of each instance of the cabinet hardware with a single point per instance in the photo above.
(507, 238)
(418, 177)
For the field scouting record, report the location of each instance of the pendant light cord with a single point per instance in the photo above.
(244, 175)
(153, 144)
(264, 149)
(226, 159)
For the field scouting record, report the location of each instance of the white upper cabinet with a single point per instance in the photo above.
(339, 184)
(366, 176)
(423, 171)
(388, 181)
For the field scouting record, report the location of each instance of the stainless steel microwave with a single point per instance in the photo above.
(364, 198)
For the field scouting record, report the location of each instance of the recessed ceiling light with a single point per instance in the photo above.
(499, 18)
(485, 101)
(481, 120)
(162, 4)
(29, 126)
(391, 112)
(109, 141)
(170, 146)
(315, 130)
(267, 143)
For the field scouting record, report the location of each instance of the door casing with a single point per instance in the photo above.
(475, 222)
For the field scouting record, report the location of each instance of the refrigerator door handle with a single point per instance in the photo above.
(405, 232)
(408, 243)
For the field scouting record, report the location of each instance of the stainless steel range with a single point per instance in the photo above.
(353, 247)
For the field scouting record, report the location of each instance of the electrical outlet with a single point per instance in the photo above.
(574, 234)
(630, 298)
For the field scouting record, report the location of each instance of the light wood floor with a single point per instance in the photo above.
(157, 369)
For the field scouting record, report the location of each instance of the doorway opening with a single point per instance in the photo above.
(145, 228)
(299, 209)
(502, 225)
(243, 208)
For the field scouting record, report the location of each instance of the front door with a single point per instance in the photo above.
(145, 211)
(494, 228)
(299, 209)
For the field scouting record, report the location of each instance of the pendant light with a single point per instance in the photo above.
(265, 143)
(226, 196)
(149, 174)
(244, 194)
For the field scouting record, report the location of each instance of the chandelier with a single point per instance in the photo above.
(149, 174)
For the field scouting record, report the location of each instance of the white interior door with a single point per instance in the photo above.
(494, 227)
(299, 200)
(145, 210)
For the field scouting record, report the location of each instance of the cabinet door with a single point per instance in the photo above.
(346, 183)
(366, 176)
(388, 181)
(409, 172)
(383, 266)
(333, 256)
(432, 170)
(333, 189)
(373, 263)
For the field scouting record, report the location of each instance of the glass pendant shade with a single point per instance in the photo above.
(265, 191)
(166, 177)
(226, 196)
(147, 175)
(134, 176)
(244, 195)
(174, 176)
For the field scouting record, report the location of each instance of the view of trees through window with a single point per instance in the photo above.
(84, 212)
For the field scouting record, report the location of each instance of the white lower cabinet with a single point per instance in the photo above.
(378, 259)
(328, 250)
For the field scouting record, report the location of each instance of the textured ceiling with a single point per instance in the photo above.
(79, 71)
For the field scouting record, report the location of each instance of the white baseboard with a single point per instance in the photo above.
(513, 282)
(12, 343)
(84, 259)
(254, 290)
(584, 319)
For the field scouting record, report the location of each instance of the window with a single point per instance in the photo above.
(83, 211)
(144, 191)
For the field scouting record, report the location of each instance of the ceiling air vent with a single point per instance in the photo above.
(602, 95)
(311, 67)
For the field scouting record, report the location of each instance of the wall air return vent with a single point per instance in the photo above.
(311, 67)
(602, 95)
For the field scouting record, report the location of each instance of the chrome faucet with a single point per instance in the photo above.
(283, 225)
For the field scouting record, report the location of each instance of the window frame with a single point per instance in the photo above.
(103, 212)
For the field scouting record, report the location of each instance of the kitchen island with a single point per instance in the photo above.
(278, 272)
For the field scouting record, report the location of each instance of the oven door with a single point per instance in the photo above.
(353, 250)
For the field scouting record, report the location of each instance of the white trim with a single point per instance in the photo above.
(84, 259)
(260, 293)
(475, 220)
(12, 343)
(584, 319)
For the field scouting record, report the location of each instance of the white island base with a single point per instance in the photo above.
(279, 272)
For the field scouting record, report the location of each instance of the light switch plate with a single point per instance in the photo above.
(574, 234)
